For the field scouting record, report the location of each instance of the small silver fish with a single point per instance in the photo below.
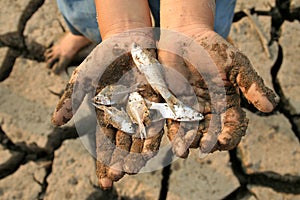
(114, 94)
(163, 111)
(119, 119)
(138, 112)
(153, 71)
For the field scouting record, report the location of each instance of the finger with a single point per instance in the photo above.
(123, 143)
(64, 109)
(176, 137)
(104, 182)
(104, 149)
(152, 143)
(82, 82)
(210, 133)
(134, 161)
(173, 127)
(62, 64)
(251, 84)
(198, 135)
(234, 125)
(182, 136)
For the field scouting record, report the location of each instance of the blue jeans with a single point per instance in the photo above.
(80, 15)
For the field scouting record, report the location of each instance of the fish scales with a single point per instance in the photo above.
(153, 71)
(138, 112)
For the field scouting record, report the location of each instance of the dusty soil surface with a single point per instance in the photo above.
(40, 161)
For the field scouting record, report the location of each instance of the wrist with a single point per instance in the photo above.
(125, 26)
(118, 16)
(187, 16)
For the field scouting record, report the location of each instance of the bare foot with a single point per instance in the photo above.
(59, 56)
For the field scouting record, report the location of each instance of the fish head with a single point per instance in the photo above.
(135, 47)
(135, 97)
(128, 128)
(136, 52)
(102, 99)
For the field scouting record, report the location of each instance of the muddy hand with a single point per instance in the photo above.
(224, 71)
(120, 153)
(117, 152)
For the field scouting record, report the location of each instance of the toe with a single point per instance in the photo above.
(48, 51)
(63, 63)
(51, 62)
(105, 183)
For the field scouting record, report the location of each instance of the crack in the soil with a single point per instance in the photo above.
(12, 164)
(284, 105)
(280, 183)
(18, 44)
(25, 153)
(289, 184)
(44, 184)
(166, 173)
(8, 63)
(279, 13)
(241, 192)
(30, 9)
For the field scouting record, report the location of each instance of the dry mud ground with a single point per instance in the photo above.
(39, 161)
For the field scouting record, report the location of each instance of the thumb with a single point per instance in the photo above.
(252, 85)
(65, 106)
(83, 80)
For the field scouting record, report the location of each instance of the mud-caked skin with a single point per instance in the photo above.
(122, 153)
(117, 152)
(222, 128)
(224, 125)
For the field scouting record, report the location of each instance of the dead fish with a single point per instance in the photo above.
(153, 71)
(163, 111)
(114, 94)
(119, 119)
(138, 112)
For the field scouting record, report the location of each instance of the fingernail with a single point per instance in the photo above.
(201, 154)
(105, 183)
(115, 172)
(264, 102)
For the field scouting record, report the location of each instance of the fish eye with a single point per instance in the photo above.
(134, 45)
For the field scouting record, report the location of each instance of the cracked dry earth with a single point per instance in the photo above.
(39, 161)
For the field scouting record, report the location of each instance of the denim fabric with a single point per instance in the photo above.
(80, 16)
(224, 16)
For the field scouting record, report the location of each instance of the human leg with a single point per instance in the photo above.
(80, 17)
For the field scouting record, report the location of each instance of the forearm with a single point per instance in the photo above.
(187, 15)
(116, 16)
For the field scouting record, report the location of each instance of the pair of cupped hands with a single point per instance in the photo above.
(217, 72)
